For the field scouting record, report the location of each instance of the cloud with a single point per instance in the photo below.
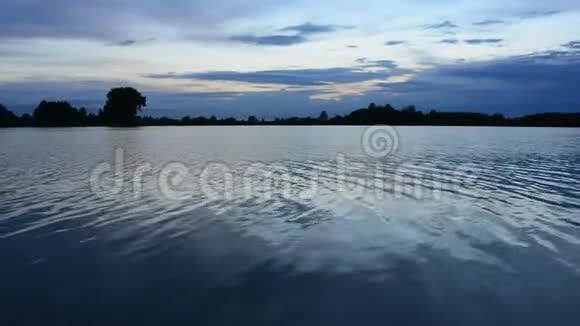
(300, 35)
(477, 41)
(273, 40)
(364, 70)
(556, 68)
(366, 63)
(111, 20)
(298, 77)
(394, 43)
(575, 45)
(443, 25)
(352, 46)
(310, 28)
(449, 41)
(538, 14)
(489, 22)
(536, 82)
(131, 42)
(126, 43)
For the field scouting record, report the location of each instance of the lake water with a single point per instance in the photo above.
(289, 226)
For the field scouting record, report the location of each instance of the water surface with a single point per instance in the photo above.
(289, 225)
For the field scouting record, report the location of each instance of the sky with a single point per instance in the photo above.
(280, 58)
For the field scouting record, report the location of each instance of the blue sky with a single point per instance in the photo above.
(275, 58)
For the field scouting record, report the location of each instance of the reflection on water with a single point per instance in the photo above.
(416, 242)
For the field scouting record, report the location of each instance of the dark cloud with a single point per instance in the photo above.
(477, 41)
(546, 67)
(111, 20)
(273, 40)
(300, 35)
(390, 64)
(131, 42)
(536, 14)
(443, 25)
(449, 41)
(572, 45)
(300, 77)
(310, 28)
(536, 82)
(382, 69)
(489, 22)
(394, 43)
(126, 43)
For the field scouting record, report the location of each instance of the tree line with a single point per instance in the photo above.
(121, 109)
(124, 104)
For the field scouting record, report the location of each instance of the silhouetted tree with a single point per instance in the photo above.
(122, 106)
(83, 115)
(410, 109)
(252, 120)
(92, 120)
(26, 120)
(56, 114)
(7, 118)
(323, 116)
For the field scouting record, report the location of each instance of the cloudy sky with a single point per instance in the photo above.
(293, 57)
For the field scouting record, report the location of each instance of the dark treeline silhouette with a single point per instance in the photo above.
(123, 105)
(121, 109)
(7, 118)
(56, 114)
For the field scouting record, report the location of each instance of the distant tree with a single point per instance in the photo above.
(56, 114)
(27, 120)
(323, 116)
(7, 118)
(230, 121)
(122, 106)
(83, 114)
(252, 120)
(498, 116)
(92, 120)
(186, 120)
(390, 108)
(410, 109)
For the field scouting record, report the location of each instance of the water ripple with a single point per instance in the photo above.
(455, 200)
